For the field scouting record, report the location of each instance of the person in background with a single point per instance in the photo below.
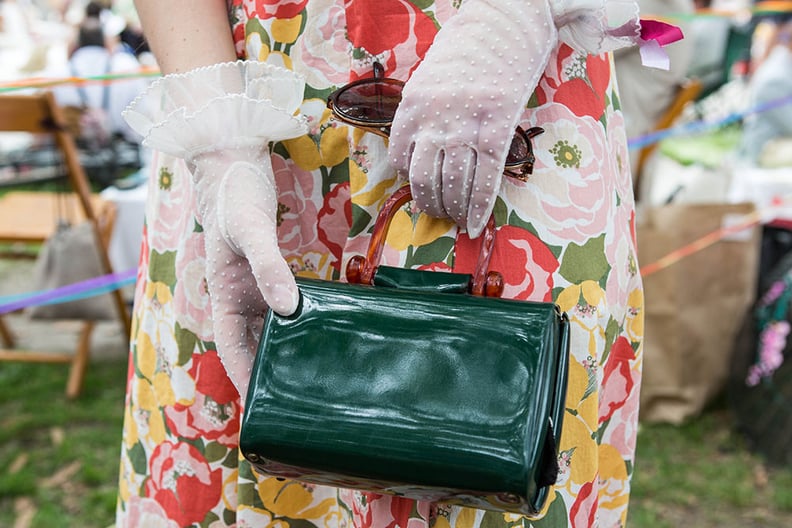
(97, 52)
(646, 93)
(207, 278)
(766, 133)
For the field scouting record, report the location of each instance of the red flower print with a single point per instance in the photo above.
(214, 413)
(272, 8)
(617, 381)
(584, 510)
(182, 482)
(526, 263)
(335, 219)
(379, 27)
(584, 96)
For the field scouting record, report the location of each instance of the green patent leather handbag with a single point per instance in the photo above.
(404, 382)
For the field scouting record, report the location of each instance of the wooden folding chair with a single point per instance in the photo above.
(40, 114)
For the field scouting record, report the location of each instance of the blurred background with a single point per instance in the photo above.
(711, 155)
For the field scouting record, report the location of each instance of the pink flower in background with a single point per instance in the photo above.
(772, 341)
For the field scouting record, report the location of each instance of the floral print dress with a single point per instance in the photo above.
(567, 235)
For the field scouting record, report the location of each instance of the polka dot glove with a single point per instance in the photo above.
(221, 120)
(245, 272)
(459, 110)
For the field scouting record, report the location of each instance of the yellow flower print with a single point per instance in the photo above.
(290, 499)
(612, 475)
(149, 410)
(130, 429)
(635, 315)
(332, 149)
(466, 518)
(427, 230)
(146, 357)
(230, 490)
(574, 297)
(581, 395)
(577, 435)
(256, 48)
(286, 30)
(163, 388)
(159, 292)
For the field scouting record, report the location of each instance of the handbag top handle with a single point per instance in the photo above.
(361, 270)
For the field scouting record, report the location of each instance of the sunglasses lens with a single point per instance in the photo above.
(371, 102)
(519, 151)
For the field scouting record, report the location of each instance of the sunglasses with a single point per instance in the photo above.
(370, 104)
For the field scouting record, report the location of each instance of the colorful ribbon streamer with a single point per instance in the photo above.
(71, 292)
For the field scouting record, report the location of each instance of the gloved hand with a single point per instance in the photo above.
(220, 120)
(453, 128)
(245, 272)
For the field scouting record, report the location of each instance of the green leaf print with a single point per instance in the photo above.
(556, 515)
(231, 459)
(186, 342)
(338, 174)
(254, 26)
(360, 220)
(493, 519)
(162, 268)
(214, 451)
(586, 262)
(316, 93)
(247, 493)
(137, 457)
(436, 251)
(500, 212)
(211, 518)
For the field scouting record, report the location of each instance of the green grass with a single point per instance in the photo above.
(697, 475)
(701, 474)
(60, 457)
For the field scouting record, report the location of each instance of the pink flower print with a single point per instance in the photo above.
(190, 294)
(617, 379)
(214, 414)
(176, 210)
(183, 483)
(298, 205)
(322, 52)
(142, 511)
(566, 193)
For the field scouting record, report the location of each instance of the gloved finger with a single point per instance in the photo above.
(483, 193)
(426, 181)
(247, 212)
(238, 310)
(459, 163)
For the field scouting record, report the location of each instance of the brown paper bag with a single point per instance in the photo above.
(694, 308)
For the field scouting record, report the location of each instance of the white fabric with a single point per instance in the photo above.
(221, 120)
(484, 80)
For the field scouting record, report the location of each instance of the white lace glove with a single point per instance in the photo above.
(220, 120)
(459, 110)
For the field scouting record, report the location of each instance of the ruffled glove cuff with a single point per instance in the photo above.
(228, 105)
